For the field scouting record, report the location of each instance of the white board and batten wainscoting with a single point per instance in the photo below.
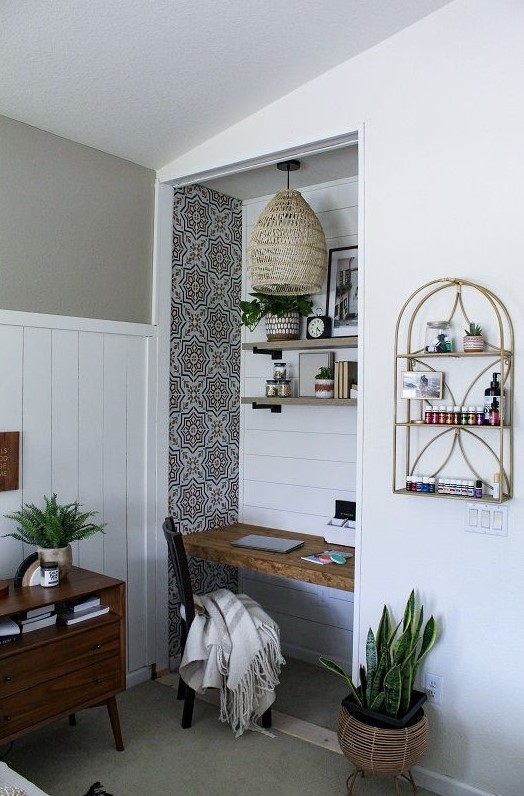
(294, 465)
(77, 390)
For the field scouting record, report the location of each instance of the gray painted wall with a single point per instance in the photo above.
(76, 228)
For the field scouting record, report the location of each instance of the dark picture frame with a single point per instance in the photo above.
(342, 291)
(426, 385)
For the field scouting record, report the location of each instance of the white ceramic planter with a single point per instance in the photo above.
(324, 388)
(285, 328)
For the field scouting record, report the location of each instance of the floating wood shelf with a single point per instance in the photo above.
(306, 401)
(304, 345)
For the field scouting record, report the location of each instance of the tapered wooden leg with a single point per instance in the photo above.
(72, 720)
(114, 718)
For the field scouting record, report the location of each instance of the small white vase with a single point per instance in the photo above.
(324, 388)
(63, 556)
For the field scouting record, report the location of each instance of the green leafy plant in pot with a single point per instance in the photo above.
(282, 314)
(53, 528)
(386, 695)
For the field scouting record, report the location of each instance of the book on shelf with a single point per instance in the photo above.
(42, 609)
(81, 605)
(23, 621)
(38, 623)
(72, 617)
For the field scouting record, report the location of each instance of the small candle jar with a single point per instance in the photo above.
(284, 388)
(279, 370)
(271, 388)
(49, 575)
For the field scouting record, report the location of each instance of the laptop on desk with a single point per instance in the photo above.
(272, 544)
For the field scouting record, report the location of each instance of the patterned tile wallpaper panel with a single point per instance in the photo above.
(205, 377)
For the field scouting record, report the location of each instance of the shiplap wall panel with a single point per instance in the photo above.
(11, 357)
(91, 442)
(136, 499)
(64, 418)
(78, 395)
(294, 465)
(115, 455)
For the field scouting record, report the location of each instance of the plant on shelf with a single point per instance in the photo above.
(262, 305)
(324, 384)
(473, 338)
(387, 680)
(275, 309)
(324, 374)
(53, 528)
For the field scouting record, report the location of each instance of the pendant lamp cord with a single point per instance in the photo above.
(288, 170)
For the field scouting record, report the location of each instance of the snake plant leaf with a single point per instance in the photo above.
(377, 684)
(408, 676)
(392, 690)
(402, 647)
(371, 663)
(383, 632)
(428, 638)
(377, 702)
(333, 667)
(409, 610)
(363, 683)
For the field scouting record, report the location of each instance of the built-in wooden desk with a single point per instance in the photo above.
(215, 545)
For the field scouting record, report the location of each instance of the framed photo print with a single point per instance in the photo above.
(342, 291)
(424, 384)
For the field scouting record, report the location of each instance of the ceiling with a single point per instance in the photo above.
(147, 81)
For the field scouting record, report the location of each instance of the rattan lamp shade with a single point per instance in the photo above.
(287, 253)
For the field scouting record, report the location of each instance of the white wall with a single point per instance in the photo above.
(76, 389)
(295, 464)
(443, 122)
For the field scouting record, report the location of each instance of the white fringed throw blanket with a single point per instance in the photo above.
(235, 646)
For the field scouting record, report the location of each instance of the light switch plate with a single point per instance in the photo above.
(487, 518)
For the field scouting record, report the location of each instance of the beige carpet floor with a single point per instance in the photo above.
(162, 759)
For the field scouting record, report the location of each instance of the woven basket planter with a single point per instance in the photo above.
(378, 751)
(287, 253)
(285, 328)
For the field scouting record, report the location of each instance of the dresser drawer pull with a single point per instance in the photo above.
(7, 718)
(8, 678)
(97, 647)
(99, 680)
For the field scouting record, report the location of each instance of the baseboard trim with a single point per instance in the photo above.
(443, 785)
(138, 676)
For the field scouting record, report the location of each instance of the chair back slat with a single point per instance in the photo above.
(178, 557)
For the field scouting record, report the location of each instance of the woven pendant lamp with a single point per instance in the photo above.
(287, 253)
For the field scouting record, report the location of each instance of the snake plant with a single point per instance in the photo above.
(393, 655)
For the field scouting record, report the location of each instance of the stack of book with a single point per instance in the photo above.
(36, 618)
(345, 377)
(9, 631)
(80, 610)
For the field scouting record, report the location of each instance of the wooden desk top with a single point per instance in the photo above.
(215, 545)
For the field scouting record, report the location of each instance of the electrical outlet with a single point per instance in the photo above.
(433, 688)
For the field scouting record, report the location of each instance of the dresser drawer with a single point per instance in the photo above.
(64, 694)
(26, 669)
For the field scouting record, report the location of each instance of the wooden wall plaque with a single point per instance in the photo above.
(9, 460)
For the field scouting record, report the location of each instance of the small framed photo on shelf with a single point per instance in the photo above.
(342, 291)
(424, 384)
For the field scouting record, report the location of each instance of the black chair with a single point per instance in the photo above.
(178, 558)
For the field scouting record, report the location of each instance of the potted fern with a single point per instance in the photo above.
(473, 339)
(53, 528)
(282, 314)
